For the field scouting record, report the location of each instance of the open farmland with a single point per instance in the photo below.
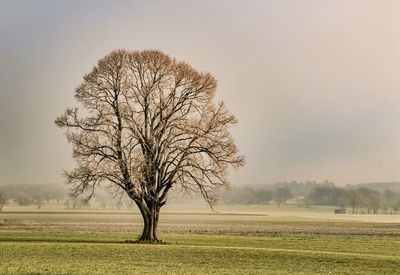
(235, 239)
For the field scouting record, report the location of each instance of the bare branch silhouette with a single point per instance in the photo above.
(149, 124)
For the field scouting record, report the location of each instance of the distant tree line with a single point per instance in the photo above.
(251, 195)
(42, 194)
(361, 199)
(102, 200)
(371, 198)
(32, 194)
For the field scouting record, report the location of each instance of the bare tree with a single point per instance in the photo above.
(149, 124)
(38, 200)
(3, 200)
(354, 198)
(282, 194)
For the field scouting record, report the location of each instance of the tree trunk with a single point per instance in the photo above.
(150, 221)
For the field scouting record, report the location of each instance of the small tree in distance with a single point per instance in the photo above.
(3, 200)
(282, 194)
(38, 200)
(150, 124)
(353, 198)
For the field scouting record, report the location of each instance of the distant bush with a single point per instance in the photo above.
(23, 199)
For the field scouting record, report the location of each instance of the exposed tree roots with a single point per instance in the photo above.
(144, 242)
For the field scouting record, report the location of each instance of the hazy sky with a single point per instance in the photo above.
(315, 84)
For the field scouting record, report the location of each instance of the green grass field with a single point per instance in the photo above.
(235, 240)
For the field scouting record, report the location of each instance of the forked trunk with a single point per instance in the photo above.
(150, 222)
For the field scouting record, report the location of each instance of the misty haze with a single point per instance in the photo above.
(199, 137)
